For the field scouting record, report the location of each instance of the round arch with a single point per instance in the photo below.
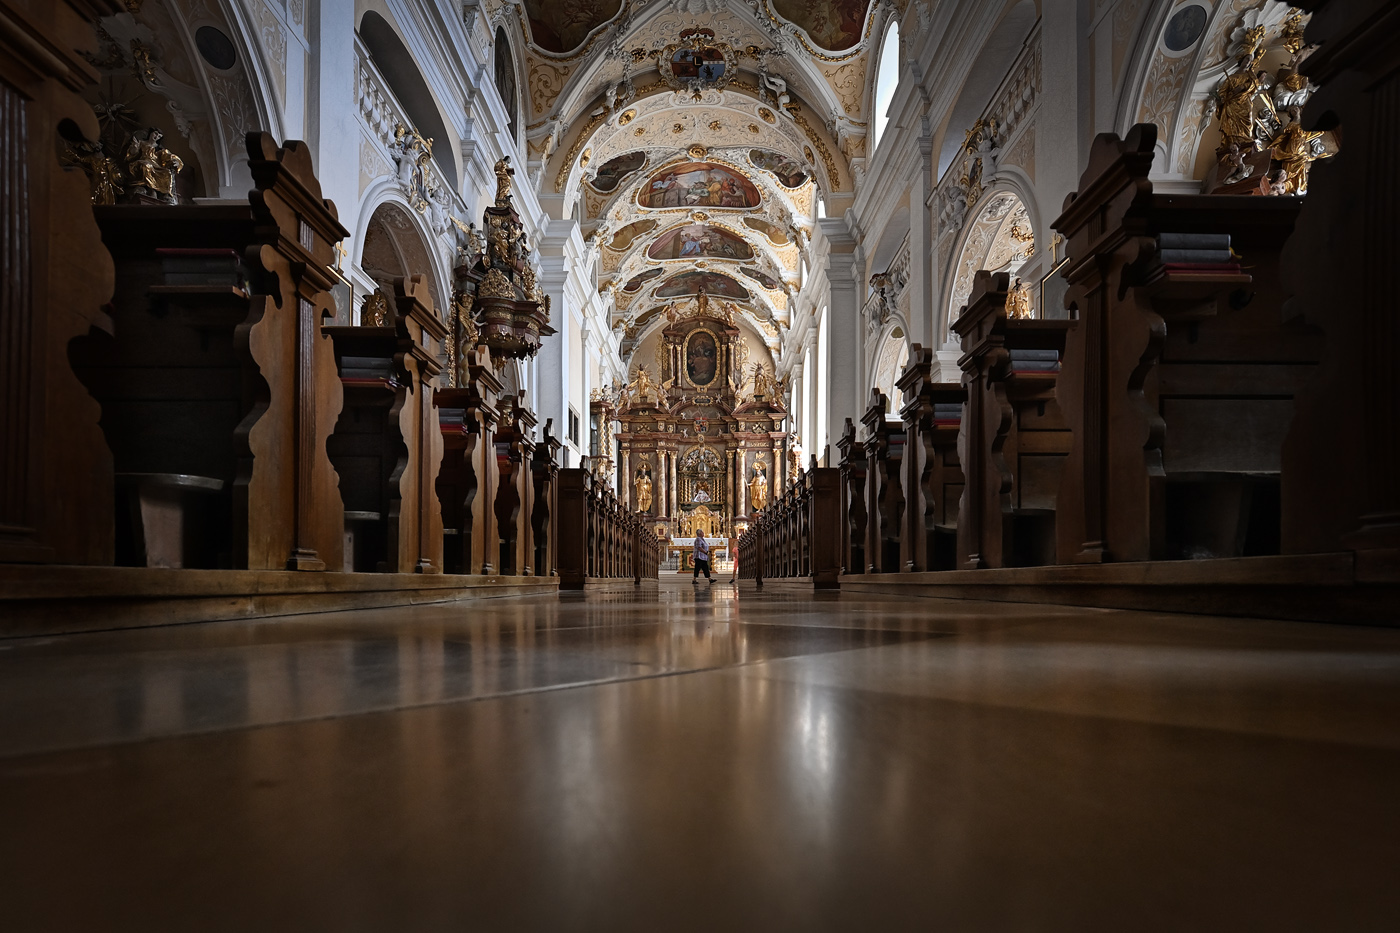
(393, 240)
(890, 356)
(999, 237)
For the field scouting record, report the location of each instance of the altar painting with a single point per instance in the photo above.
(700, 241)
(701, 358)
(698, 184)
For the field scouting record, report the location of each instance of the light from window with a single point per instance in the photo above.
(886, 79)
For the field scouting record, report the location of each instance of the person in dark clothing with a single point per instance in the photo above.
(702, 559)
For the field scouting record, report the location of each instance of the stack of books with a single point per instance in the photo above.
(451, 418)
(367, 370)
(202, 268)
(1200, 253)
(1035, 361)
(947, 412)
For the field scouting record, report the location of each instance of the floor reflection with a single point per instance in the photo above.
(117, 687)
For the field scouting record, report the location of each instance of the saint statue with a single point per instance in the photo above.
(104, 177)
(1234, 104)
(644, 387)
(1297, 149)
(1018, 302)
(503, 176)
(758, 486)
(151, 166)
(643, 488)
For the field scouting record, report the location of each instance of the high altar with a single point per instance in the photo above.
(700, 425)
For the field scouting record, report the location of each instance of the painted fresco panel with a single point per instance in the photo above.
(700, 240)
(699, 184)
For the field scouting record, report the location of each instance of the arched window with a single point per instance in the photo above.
(886, 80)
(505, 79)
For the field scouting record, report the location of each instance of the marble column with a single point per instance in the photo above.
(842, 368)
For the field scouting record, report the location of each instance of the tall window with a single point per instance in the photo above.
(886, 79)
(505, 79)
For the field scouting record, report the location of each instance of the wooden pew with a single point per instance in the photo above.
(852, 497)
(56, 486)
(884, 494)
(933, 476)
(1177, 382)
(515, 492)
(387, 447)
(544, 473)
(1014, 437)
(1341, 485)
(217, 386)
(468, 479)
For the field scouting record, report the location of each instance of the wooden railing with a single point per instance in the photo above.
(798, 535)
(598, 538)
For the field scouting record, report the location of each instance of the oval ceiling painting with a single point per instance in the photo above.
(690, 283)
(835, 25)
(698, 184)
(640, 279)
(562, 26)
(790, 172)
(614, 170)
(700, 240)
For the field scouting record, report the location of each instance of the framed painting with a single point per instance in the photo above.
(701, 358)
(696, 241)
(698, 184)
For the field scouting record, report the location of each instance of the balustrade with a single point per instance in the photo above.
(798, 536)
(598, 538)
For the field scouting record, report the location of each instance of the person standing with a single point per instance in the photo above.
(702, 558)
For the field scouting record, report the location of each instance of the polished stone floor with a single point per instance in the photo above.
(687, 758)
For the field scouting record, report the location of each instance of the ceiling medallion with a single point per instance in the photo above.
(696, 151)
(767, 115)
(807, 151)
(753, 128)
(627, 116)
(584, 159)
(699, 216)
(697, 62)
(640, 131)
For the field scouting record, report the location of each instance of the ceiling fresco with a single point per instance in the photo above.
(790, 172)
(611, 173)
(640, 279)
(560, 26)
(767, 281)
(626, 235)
(714, 283)
(775, 234)
(835, 25)
(699, 184)
(700, 241)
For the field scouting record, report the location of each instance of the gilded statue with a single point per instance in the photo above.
(1297, 149)
(375, 311)
(103, 174)
(758, 486)
(151, 166)
(1018, 302)
(503, 176)
(643, 488)
(763, 382)
(643, 387)
(1234, 105)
